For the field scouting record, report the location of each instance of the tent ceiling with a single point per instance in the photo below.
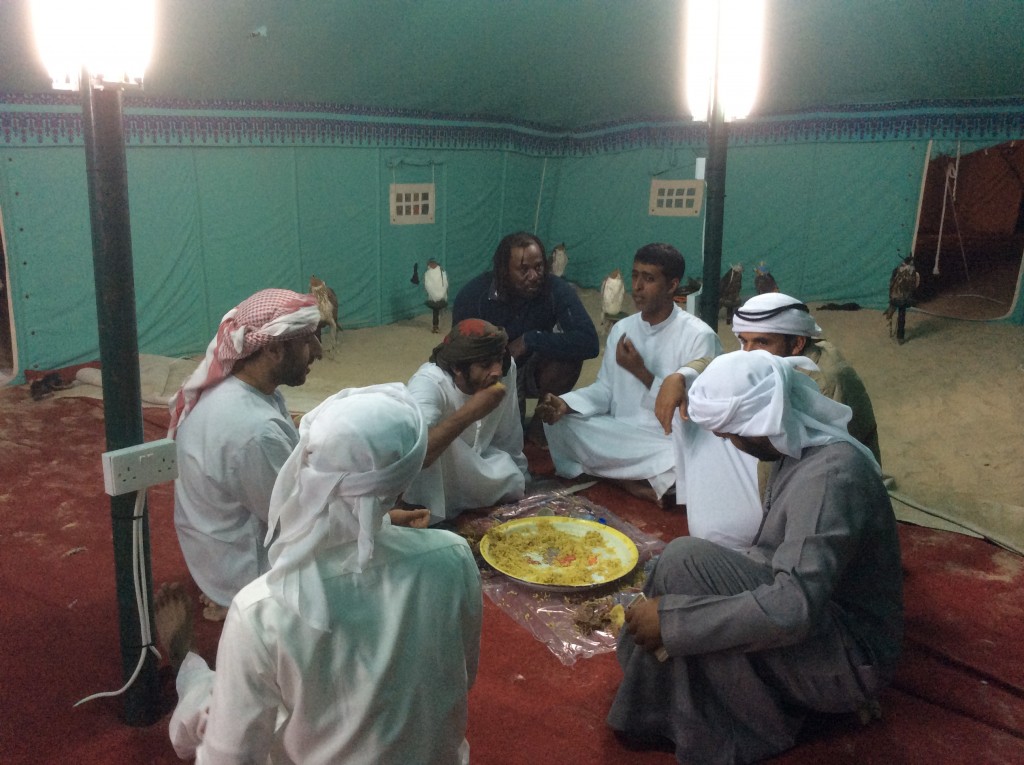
(562, 64)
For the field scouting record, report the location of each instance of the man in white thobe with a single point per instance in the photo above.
(609, 429)
(233, 433)
(362, 641)
(475, 439)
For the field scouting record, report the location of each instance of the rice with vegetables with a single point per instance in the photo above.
(544, 554)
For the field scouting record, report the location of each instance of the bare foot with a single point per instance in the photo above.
(173, 617)
(212, 612)
(215, 613)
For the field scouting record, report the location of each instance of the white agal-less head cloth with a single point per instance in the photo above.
(357, 452)
(758, 394)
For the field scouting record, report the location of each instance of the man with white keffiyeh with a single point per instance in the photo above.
(234, 433)
(732, 648)
(784, 326)
(362, 641)
(721, 486)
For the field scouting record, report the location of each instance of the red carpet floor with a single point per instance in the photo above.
(958, 697)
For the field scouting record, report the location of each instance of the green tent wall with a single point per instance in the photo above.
(224, 205)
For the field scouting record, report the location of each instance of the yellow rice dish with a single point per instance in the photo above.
(563, 552)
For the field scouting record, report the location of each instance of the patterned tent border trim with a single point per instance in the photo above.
(55, 120)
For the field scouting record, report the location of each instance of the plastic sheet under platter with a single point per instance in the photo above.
(555, 553)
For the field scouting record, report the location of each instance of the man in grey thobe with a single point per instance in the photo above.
(733, 648)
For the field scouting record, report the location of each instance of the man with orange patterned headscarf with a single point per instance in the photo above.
(234, 433)
(475, 438)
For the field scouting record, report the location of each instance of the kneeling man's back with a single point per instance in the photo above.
(361, 642)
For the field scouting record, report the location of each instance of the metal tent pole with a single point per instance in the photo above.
(106, 170)
(718, 140)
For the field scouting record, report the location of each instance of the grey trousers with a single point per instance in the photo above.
(731, 707)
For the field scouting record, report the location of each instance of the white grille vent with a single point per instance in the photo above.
(677, 198)
(412, 203)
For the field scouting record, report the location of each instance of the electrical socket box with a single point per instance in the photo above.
(137, 467)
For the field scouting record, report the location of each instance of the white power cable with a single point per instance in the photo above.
(141, 599)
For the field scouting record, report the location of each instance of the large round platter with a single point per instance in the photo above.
(559, 554)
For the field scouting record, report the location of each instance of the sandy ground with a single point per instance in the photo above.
(949, 402)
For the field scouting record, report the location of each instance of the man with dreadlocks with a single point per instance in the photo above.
(234, 433)
(361, 642)
(475, 438)
(550, 332)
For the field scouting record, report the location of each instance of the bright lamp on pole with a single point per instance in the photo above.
(722, 62)
(108, 43)
(112, 40)
(723, 42)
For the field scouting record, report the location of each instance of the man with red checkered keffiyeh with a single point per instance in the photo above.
(234, 433)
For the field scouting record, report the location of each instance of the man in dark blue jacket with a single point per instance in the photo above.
(550, 332)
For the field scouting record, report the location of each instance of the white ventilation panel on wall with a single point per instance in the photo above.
(412, 203)
(678, 198)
